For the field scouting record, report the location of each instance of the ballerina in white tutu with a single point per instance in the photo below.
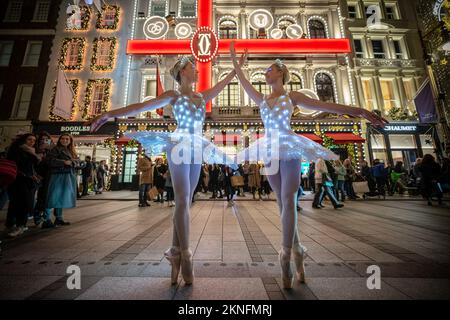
(186, 149)
(282, 150)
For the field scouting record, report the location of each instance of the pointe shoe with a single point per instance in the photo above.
(285, 263)
(187, 268)
(174, 256)
(299, 258)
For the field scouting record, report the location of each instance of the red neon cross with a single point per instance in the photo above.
(265, 46)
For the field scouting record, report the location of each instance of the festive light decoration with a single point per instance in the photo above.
(52, 116)
(101, 18)
(81, 49)
(94, 63)
(255, 46)
(85, 13)
(88, 96)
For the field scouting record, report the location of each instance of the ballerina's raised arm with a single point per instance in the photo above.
(161, 101)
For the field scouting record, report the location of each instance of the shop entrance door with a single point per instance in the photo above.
(408, 157)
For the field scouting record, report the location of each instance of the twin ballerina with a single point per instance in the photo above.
(187, 149)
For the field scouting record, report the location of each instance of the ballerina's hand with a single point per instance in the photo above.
(243, 58)
(97, 122)
(374, 119)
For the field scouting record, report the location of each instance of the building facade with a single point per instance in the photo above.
(383, 72)
(434, 22)
(27, 29)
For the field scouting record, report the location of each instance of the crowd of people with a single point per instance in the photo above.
(48, 176)
(45, 180)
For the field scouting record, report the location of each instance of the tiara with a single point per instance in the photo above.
(184, 60)
(279, 63)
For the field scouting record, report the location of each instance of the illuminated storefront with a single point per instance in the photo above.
(403, 142)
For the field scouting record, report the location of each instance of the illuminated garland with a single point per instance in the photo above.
(85, 17)
(100, 19)
(88, 96)
(328, 142)
(110, 66)
(65, 46)
(351, 153)
(132, 144)
(54, 117)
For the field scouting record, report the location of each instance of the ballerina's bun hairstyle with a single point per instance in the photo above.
(175, 70)
(284, 69)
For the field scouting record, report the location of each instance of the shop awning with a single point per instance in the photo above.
(312, 136)
(345, 137)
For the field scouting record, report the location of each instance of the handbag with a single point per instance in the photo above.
(361, 187)
(152, 193)
(237, 181)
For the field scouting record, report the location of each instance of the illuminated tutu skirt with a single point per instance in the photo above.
(187, 148)
(284, 145)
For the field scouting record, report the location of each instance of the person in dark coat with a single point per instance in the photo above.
(158, 178)
(101, 173)
(86, 175)
(22, 191)
(431, 172)
(311, 176)
(43, 146)
(229, 190)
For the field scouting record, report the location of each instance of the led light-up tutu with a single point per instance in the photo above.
(186, 144)
(279, 141)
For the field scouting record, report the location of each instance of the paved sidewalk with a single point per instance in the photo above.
(119, 248)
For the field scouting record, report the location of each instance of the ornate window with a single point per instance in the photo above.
(317, 29)
(108, 18)
(104, 53)
(229, 97)
(228, 29)
(72, 53)
(325, 87)
(260, 84)
(97, 97)
(296, 83)
(285, 22)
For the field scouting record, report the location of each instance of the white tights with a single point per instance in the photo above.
(285, 184)
(184, 180)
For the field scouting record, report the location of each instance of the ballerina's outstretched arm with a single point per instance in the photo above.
(161, 101)
(251, 91)
(215, 90)
(303, 100)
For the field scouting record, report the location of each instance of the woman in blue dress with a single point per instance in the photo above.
(282, 150)
(62, 186)
(186, 149)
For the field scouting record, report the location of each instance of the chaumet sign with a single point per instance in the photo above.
(400, 128)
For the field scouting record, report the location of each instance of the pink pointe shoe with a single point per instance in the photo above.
(174, 256)
(285, 263)
(187, 267)
(299, 258)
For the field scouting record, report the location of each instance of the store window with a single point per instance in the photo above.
(428, 146)
(378, 147)
(129, 164)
